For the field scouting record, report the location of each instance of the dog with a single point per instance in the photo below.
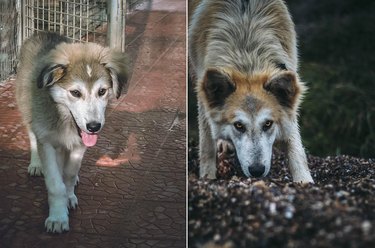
(62, 90)
(243, 58)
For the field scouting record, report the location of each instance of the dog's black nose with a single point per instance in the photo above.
(257, 170)
(93, 126)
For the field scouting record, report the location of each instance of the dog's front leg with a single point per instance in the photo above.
(57, 220)
(35, 166)
(71, 169)
(297, 157)
(207, 148)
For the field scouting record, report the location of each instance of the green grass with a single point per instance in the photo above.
(336, 40)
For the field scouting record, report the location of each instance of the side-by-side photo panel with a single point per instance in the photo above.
(281, 124)
(93, 123)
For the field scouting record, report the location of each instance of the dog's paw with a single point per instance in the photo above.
(303, 181)
(73, 202)
(57, 224)
(303, 178)
(35, 169)
(225, 149)
(227, 164)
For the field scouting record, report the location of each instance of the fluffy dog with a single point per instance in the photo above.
(62, 92)
(243, 55)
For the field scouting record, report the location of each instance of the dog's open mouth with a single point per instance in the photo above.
(89, 139)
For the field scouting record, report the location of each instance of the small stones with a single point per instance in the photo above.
(217, 237)
(336, 211)
(366, 227)
(272, 208)
(289, 211)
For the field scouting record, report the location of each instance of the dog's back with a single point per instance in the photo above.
(32, 60)
(38, 45)
(243, 35)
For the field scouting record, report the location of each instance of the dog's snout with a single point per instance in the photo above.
(257, 170)
(93, 126)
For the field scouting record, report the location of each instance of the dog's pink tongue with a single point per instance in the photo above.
(89, 139)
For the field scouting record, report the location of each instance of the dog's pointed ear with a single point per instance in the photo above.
(217, 86)
(285, 88)
(50, 75)
(116, 64)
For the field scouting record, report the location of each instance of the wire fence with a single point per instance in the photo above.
(100, 21)
(78, 20)
(8, 37)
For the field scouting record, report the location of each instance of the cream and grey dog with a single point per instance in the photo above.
(62, 92)
(244, 59)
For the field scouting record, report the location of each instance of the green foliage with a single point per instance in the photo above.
(337, 61)
(337, 116)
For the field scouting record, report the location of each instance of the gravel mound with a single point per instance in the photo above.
(337, 211)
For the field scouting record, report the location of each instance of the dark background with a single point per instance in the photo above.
(336, 41)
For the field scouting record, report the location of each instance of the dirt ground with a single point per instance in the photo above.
(336, 211)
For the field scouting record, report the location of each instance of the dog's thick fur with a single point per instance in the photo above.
(243, 57)
(62, 91)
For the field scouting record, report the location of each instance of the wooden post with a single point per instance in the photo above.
(116, 24)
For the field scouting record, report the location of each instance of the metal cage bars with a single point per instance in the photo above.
(100, 21)
(8, 37)
(78, 20)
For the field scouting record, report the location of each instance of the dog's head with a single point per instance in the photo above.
(81, 78)
(251, 112)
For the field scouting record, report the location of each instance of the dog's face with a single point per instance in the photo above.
(86, 97)
(252, 136)
(83, 84)
(250, 113)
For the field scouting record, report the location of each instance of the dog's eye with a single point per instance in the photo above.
(267, 125)
(76, 93)
(281, 66)
(102, 92)
(239, 126)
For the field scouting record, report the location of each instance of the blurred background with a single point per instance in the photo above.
(336, 41)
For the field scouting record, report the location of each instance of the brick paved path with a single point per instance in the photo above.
(132, 183)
